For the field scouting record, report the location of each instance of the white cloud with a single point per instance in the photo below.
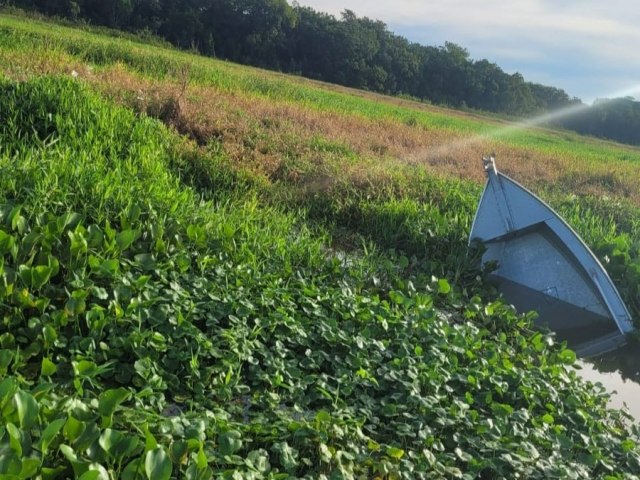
(587, 47)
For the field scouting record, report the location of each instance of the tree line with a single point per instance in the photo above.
(353, 51)
(616, 119)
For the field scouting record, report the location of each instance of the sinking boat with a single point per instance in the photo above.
(543, 265)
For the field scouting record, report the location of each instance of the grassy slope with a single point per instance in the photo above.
(185, 304)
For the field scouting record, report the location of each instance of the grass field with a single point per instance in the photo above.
(212, 271)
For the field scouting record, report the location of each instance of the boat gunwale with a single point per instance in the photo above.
(556, 224)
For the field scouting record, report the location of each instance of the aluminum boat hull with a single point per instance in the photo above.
(543, 265)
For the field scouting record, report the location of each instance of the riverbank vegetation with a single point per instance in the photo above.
(213, 271)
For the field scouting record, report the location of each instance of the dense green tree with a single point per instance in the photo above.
(250, 31)
(617, 119)
(112, 13)
(146, 15)
(314, 45)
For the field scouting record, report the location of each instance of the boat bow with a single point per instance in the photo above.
(543, 265)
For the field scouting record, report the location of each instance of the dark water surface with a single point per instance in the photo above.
(619, 372)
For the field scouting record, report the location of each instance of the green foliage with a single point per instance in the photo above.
(154, 328)
(617, 119)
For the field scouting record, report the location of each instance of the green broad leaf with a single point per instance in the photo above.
(395, 452)
(325, 453)
(104, 268)
(70, 220)
(50, 335)
(201, 459)
(501, 409)
(8, 388)
(259, 460)
(178, 451)
(127, 447)
(54, 265)
(117, 444)
(126, 238)
(195, 432)
(7, 243)
(142, 280)
(6, 357)
(111, 399)
(15, 439)
(133, 213)
(469, 398)
(146, 261)
(24, 298)
(548, 419)
(95, 472)
(183, 262)
(73, 428)
(157, 464)
(454, 472)
(49, 473)
(134, 470)
(150, 442)
(205, 473)
(90, 475)
(537, 342)
(95, 236)
(27, 409)
(429, 456)
(230, 442)
(18, 222)
(47, 367)
(50, 433)
(10, 465)
(531, 451)
(89, 436)
(24, 272)
(30, 467)
(288, 456)
(443, 286)
(40, 275)
(99, 293)
(323, 417)
(75, 306)
(396, 297)
(628, 445)
(462, 455)
(84, 368)
(110, 439)
(79, 244)
(109, 231)
(567, 356)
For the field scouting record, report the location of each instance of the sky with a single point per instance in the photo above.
(589, 48)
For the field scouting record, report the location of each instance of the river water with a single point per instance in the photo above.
(619, 373)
